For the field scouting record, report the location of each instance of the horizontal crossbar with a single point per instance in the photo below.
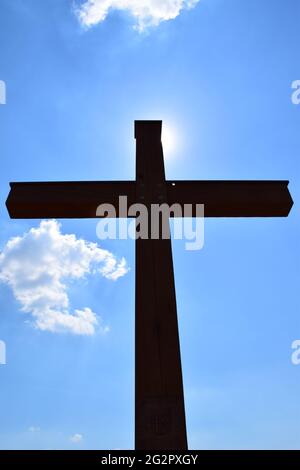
(81, 199)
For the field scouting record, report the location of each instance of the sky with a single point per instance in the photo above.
(219, 74)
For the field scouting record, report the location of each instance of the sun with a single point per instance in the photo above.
(168, 140)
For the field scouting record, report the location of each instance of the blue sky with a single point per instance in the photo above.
(219, 75)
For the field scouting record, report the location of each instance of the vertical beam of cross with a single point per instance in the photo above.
(159, 402)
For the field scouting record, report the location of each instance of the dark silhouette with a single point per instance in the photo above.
(159, 401)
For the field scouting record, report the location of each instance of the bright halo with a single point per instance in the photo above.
(168, 140)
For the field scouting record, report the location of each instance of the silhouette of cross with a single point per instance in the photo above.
(159, 400)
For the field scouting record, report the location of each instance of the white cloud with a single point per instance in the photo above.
(76, 438)
(37, 266)
(146, 12)
(34, 429)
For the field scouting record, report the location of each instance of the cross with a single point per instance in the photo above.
(159, 400)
